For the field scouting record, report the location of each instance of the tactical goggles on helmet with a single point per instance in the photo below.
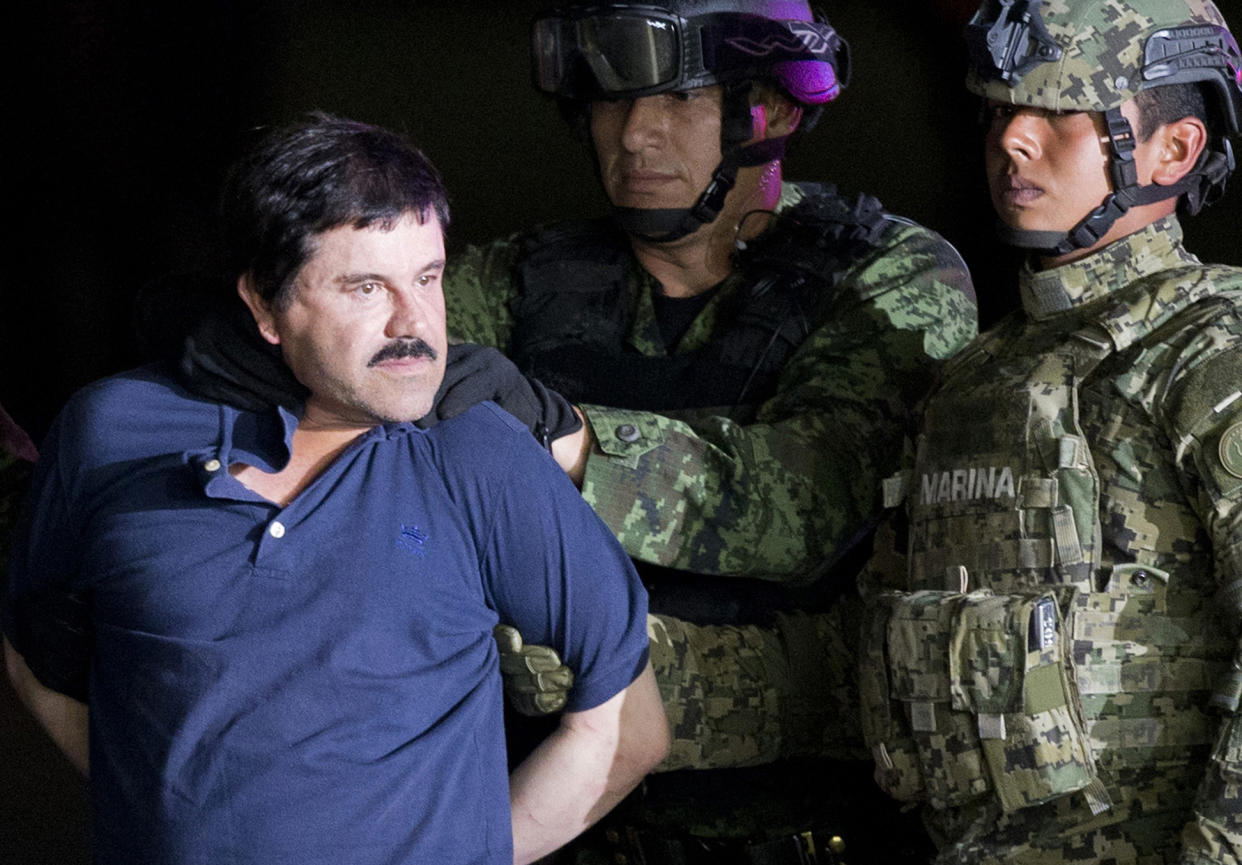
(610, 53)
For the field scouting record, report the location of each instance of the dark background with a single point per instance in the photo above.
(123, 116)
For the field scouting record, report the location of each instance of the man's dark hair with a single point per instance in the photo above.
(311, 177)
(1170, 103)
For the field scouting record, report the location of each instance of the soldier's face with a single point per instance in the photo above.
(658, 151)
(1047, 170)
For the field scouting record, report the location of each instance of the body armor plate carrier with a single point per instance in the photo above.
(994, 675)
(575, 310)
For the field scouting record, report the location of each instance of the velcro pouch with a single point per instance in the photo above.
(1007, 669)
(949, 756)
(982, 682)
(885, 730)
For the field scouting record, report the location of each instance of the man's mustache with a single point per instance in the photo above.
(402, 348)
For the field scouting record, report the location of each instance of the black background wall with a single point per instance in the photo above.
(123, 116)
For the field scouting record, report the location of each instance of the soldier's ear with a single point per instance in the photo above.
(780, 115)
(1177, 149)
(783, 117)
(259, 308)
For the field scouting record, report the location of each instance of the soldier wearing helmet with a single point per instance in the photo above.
(1088, 61)
(1051, 667)
(743, 351)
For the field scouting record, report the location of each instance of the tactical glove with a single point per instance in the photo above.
(225, 359)
(536, 681)
(475, 373)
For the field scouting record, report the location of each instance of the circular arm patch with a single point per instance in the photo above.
(1231, 450)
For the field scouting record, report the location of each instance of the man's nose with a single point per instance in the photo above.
(406, 317)
(1020, 135)
(645, 122)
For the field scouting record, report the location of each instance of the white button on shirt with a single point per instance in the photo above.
(276, 529)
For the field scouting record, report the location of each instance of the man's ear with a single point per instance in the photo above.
(781, 115)
(1179, 145)
(259, 308)
(784, 117)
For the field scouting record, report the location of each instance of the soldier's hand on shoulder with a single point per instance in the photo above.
(474, 373)
(223, 358)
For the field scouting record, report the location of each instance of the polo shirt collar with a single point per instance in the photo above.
(261, 439)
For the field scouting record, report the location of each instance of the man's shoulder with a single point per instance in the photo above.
(578, 253)
(828, 204)
(580, 243)
(1210, 327)
(1181, 303)
(859, 254)
(863, 233)
(1195, 352)
(136, 411)
(484, 440)
(147, 389)
(484, 421)
(598, 233)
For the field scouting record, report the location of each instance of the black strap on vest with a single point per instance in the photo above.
(573, 317)
(573, 312)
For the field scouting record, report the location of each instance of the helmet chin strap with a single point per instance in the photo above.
(1212, 168)
(665, 225)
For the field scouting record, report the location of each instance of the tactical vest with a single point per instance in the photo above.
(575, 306)
(994, 677)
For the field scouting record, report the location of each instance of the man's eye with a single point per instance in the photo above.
(368, 288)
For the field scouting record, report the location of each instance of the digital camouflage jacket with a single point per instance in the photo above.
(773, 494)
(770, 491)
(1050, 668)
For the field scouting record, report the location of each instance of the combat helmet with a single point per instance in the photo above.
(1093, 55)
(589, 51)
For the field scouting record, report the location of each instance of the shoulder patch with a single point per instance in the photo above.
(1230, 450)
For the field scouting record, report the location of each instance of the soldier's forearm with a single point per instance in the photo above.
(744, 695)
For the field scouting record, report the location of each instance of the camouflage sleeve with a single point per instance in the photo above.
(478, 287)
(744, 695)
(775, 498)
(1204, 421)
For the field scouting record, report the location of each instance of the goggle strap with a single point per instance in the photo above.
(743, 42)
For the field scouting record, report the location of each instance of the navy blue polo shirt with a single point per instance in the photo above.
(318, 682)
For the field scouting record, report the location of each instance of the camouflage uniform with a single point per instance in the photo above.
(763, 493)
(769, 498)
(1046, 672)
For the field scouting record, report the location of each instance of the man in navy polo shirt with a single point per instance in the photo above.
(277, 625)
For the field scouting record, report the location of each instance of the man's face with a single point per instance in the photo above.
(1048, 170)
(658, 151)
(364, 327)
